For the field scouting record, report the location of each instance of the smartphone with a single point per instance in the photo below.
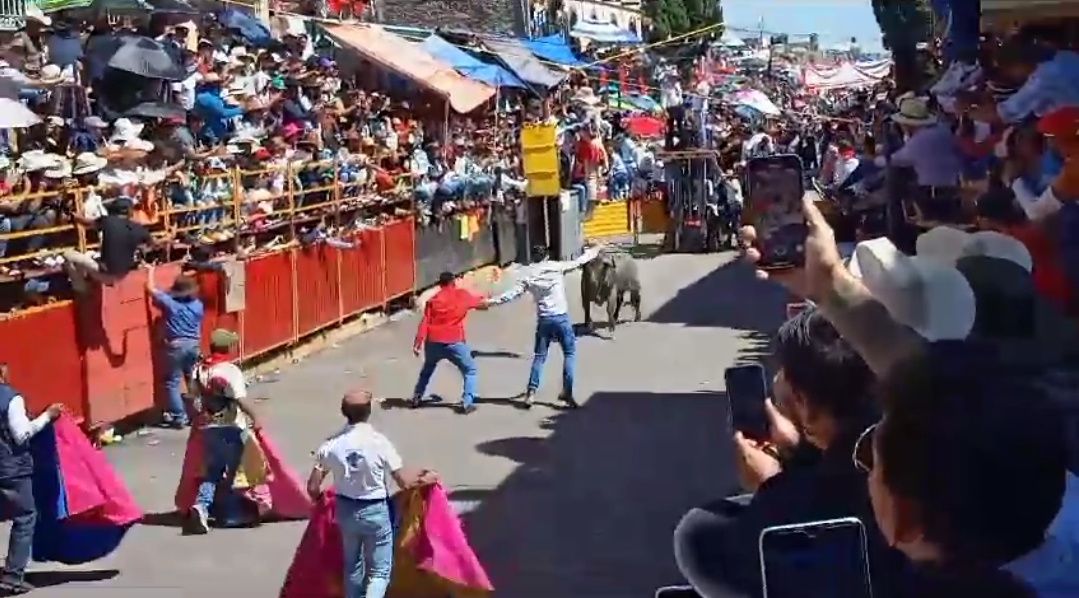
(747, 389)
(820, 559)
(776, 185)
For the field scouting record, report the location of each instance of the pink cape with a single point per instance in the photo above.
(93, 491)
(282, 496)
(431, 553)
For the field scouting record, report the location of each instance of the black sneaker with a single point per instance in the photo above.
(569, 400)
(199, 522)
(415, 403)
(466, 409)
(530, 399)
(11, 585)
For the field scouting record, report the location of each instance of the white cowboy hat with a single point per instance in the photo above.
(586, 96)
(59, 171)
(948, 245)
(124, 129)
(51, 73)
(95, 122)
(88, 162)
(914, 112)
(933, 299)
(5, 162)
(35, 160)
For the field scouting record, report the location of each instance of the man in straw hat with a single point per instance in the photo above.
(932, 151)
(362, 462)
(182, 312)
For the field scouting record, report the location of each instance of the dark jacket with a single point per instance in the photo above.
(15, 459)
(813, 486)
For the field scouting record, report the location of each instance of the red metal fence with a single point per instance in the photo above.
(100, 355)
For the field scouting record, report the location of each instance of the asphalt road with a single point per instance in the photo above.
(557, 503)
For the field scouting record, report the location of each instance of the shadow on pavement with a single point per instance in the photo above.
(590, 509)
(729, 297)
(476, 353)
(48, 579)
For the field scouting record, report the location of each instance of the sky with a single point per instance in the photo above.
(835, 21)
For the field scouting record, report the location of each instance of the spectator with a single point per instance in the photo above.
(182, 311)
(121, 237)
(824, 388)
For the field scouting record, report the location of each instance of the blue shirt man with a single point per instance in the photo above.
(182, 312)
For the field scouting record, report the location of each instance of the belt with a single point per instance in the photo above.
(181, 340)
(362, 501)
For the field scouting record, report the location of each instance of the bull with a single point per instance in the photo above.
(605, 281)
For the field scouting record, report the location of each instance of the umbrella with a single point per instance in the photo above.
(13, 113)
(157, 110)
(147, 58)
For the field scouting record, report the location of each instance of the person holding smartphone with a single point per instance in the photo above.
(801, 472)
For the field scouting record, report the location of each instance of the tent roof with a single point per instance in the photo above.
(468, 65)
(604, 33)
(521, 61)
(553, 48)
(410, 60)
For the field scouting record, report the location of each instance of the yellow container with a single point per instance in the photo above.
(539, 159)
(608, 220)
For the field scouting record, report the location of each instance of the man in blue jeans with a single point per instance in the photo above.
(182, 311)
(545, 280)
(441, 335)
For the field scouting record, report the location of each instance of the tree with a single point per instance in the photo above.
(670, 18)
(903, 25)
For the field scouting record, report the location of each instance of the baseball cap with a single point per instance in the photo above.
(223, 338)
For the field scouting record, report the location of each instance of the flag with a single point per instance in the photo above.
(431, 553)
(83, 508)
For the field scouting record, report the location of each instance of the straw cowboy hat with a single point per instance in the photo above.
(87, 163)
(33, 13)
(51, 74)
(62, 170)
(184, 287)
(35, 160)
(932, 298)
(948, 245)
(124, 130)
(586, 96)
(914, 112)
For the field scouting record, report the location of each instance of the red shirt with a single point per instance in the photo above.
(1048, 272)
(444, 315)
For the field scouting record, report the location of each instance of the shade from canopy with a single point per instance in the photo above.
(608, 33)
(523, 63)
(409, 60)
(553, 48)
(468, 65)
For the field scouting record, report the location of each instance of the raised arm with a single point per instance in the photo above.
(514, 292)
(589, 254)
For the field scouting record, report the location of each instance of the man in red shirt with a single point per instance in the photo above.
(441, 335)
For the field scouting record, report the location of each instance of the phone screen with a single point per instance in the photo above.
(817, 560)
(776, 186)
(747, 390)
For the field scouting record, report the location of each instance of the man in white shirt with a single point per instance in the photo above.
(16, 488)
(225, 419)
(362, 461)
(545, 280)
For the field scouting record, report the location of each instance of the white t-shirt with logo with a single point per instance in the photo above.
(234, 386)
(361, 460)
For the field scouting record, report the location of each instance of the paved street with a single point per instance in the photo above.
(558, 504)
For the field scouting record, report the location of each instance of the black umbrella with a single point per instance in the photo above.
(157, 110)
(147, 58)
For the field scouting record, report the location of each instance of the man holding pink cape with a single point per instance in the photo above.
(362, 461)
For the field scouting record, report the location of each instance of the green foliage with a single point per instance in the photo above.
(670, 18)
(904, 23)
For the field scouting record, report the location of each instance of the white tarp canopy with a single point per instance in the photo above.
(844, 75)
(730, 40)
(752, 98)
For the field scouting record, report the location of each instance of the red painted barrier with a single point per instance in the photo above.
(362, 285)
(102, 356)
(318, 289)
(269, 319)
(400, 258)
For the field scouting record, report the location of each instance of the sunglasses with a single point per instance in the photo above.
(862, 455)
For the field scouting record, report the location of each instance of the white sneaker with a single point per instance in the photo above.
(200, 520)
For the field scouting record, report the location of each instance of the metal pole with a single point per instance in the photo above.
(262, 11)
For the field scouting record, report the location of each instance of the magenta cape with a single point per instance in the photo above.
(84, 508)
(431, 553)
(280, 496)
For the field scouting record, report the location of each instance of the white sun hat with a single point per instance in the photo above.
(932, 298)
(948, 245)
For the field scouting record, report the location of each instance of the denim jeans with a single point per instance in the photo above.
(222, 450)
(367, 541)
(460, 355)
(17, 503)
(559, 329)
(183, 354)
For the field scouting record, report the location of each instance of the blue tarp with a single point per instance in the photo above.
(468, 65)
(553, 48)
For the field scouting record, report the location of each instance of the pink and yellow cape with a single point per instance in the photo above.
(431, 553)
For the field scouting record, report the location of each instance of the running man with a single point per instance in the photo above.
(545, 280)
